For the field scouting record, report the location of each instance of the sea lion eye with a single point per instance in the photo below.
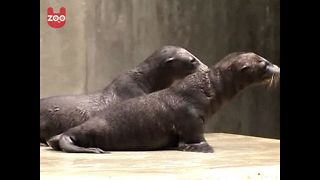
(244, 67)
(169, 59)
(193, 60)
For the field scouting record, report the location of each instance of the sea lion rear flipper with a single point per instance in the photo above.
(43, 144)
(67, 145)
(53, 142)
(196, 147)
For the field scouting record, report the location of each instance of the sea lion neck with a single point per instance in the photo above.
(222, 83)
(152, 76)
(222, 87)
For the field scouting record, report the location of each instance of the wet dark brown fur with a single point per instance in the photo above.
(169, 63)
(170, 118)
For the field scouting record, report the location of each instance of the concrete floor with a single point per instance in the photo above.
(235, 157)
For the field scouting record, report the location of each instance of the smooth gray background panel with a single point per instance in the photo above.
(103, 38)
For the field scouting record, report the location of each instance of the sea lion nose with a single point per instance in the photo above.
(203, 67)
(274, 69)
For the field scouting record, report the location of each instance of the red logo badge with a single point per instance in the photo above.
(56, 20)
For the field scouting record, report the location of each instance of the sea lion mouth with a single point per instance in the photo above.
(273, 75)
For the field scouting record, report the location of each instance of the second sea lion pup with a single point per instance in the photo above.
(158, 71)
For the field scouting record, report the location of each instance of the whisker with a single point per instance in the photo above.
(271, 81)
(277, 80)
(274, 81)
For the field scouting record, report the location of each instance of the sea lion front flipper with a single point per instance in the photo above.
(203, 147)
(67, 145)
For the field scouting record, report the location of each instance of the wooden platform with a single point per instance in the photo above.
(235, 157)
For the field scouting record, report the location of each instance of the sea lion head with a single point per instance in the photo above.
(245, 68)
(180, 62)
(174, 62)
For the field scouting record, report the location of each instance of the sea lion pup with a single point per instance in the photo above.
(170, 118)
(167, 64)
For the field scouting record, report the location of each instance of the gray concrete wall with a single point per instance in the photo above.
(101, 39)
